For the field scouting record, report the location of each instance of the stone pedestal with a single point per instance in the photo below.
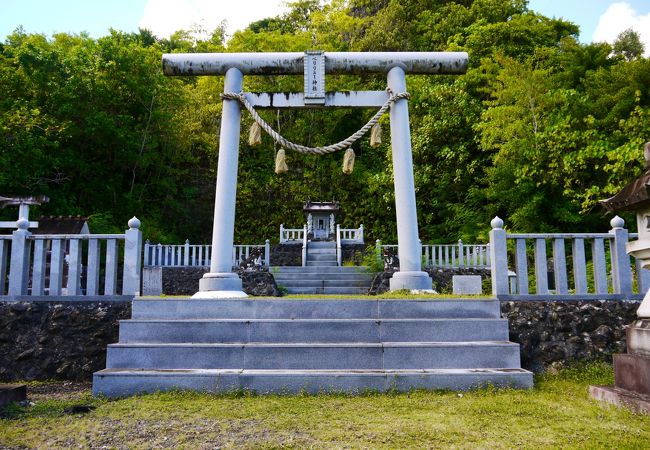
(631, 372)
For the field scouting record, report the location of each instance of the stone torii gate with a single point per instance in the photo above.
(221, 282)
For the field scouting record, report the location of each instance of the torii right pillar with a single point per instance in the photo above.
(410, 275)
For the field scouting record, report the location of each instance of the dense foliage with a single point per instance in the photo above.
(539, 129)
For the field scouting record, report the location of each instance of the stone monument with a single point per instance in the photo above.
(632, 369)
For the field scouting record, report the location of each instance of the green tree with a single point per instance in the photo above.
(628, 44)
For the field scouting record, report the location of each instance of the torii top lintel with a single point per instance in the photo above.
(335, 62)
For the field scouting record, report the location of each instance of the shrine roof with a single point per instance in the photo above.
(324, 207)
(61, 225)
(634, 196)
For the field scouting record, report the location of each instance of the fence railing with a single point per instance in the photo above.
(459, 255)
(189, 255)
(570, 265)
(292, 234)
(350, 235)
(71, 264)
(304, 245)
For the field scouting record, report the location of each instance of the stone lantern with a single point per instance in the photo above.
(632, 370)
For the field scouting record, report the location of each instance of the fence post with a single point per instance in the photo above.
(378, 251)
(146, 253)
(19, 266)
(338, 245)
(304, 246)
(4, 250)
(74, 268)
(361, 233)
(186, 256)
(498, 258)
(281, 233)
(461, 254)
(267, 253)
(132, 258)
(621, 271)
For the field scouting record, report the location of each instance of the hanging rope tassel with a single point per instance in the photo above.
(348, 161)
(281, 162)
(375, 135)
(255, 135)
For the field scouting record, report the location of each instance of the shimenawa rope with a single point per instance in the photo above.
(241, 97)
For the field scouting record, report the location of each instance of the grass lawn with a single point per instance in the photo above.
(556, 413)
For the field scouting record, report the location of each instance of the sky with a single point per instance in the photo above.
(599, 20)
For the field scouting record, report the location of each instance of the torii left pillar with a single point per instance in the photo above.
(220, 282)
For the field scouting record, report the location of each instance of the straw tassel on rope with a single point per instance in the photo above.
(375, 135)
(281, 162)
(255, 135)
(348, 161)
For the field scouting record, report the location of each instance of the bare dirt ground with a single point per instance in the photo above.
(58, 390)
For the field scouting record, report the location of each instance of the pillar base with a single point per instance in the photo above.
(220, 285)
(411, 281)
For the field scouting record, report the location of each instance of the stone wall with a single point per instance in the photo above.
(553, 334)
(185, 281)
(353, 253)
(50, 340)
(286, 255)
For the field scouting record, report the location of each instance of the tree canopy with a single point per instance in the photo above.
(537, 131)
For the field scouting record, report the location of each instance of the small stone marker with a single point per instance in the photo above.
(10, 393)
(467, 285)
(152, 281)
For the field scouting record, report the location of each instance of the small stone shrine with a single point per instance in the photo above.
(632, 369)
(321, 219)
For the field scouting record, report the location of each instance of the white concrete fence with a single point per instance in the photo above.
(476, 256)
(189, 255)
(345, 235)
(72, 266)
(582, 266)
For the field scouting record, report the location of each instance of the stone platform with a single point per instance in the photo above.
(10, 393)
(288, 346)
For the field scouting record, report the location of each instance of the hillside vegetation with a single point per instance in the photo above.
(539, 129)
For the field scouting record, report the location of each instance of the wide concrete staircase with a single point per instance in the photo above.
(277, 345)
(322, 275)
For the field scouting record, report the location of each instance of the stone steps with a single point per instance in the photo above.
(323, 251)
(330, 270)
(335, 290)
(250, 308)
(322, 263)
(331, 245)
(321, 257)
(366, 277)
(322, 274)
(313, 355)
(280, 345)
(122, 382)
(316, 283)
(312, 330)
